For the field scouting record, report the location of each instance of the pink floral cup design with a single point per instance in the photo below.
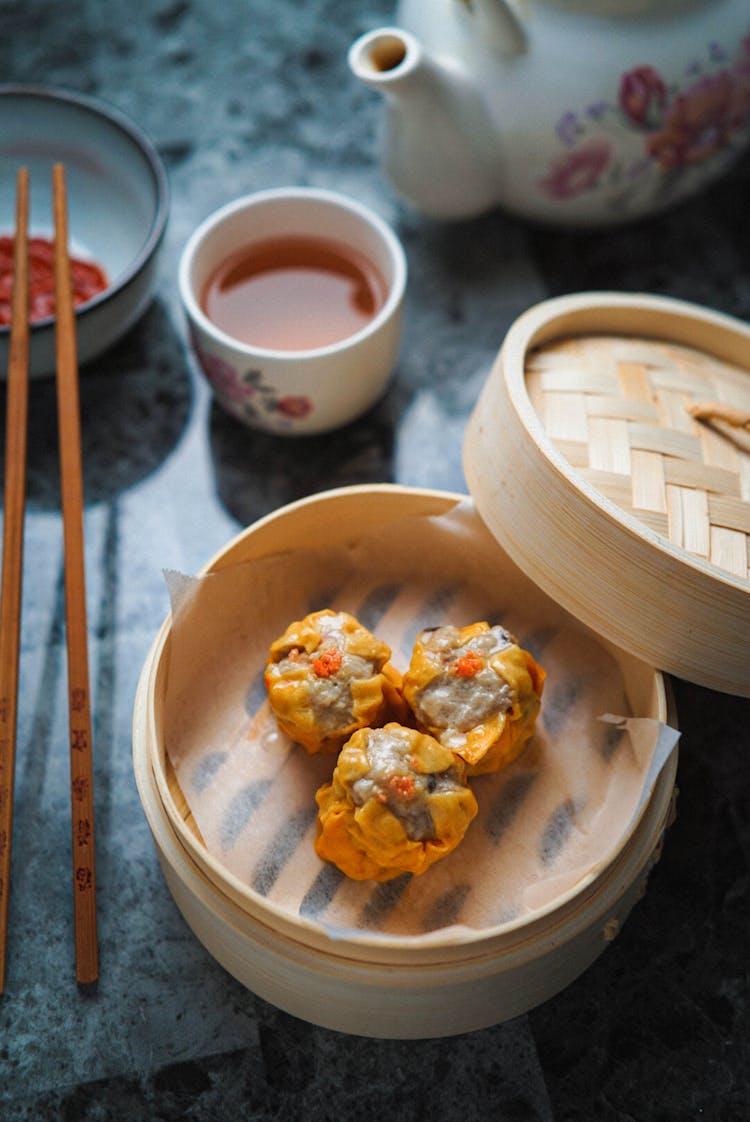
(305, 392)
(246, 396)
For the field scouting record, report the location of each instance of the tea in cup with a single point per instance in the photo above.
(294, 301)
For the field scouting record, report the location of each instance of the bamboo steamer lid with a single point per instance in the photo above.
(585, 459)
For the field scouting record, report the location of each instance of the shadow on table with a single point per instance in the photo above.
(256, 473)
(135, 403)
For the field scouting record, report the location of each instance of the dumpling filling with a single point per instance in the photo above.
(396, 780)
(333, 669)
(476, 691)
(465, 690)
(397, 802)
(327, 676)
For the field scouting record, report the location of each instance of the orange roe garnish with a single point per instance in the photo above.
(468, 665)
(327, 663)
(402, 785)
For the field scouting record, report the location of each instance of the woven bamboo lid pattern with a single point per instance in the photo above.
(585, 457)
(618, 409)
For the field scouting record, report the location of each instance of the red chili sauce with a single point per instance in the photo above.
(87, 278)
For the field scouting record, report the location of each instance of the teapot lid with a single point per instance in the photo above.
(606, 453)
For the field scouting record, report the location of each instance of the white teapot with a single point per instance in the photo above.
(576, 112)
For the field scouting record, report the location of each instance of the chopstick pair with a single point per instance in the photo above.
(71, 476)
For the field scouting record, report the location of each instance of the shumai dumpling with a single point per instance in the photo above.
(327, 676)
(397, 802)
(476, 691)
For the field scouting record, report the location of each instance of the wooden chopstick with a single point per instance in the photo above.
(71, 479)
(16, 422)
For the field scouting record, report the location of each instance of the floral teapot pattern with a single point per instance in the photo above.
(581, 113)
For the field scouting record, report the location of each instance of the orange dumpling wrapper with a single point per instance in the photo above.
(328, 676)
(397, 803)
(476, 691)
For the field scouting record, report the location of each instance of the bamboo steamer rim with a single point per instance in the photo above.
(398, 501)
(632, 862)
(506, 436)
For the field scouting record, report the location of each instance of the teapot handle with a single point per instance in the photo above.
(499, 24)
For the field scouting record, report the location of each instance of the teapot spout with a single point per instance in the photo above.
(386, 59)
(435, 130)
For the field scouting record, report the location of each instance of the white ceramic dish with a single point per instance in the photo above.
(118, 201)
(375, 984)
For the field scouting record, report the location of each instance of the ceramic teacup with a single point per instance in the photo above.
(295, 391)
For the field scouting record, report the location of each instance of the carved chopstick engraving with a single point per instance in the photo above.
(71, 476)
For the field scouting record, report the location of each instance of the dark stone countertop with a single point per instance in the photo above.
(239, 96)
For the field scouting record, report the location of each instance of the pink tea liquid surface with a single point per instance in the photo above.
(294, 293)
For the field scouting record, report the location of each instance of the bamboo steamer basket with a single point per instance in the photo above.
(585, 461)
(374, 987)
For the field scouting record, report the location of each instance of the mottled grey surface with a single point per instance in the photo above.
(239, 96)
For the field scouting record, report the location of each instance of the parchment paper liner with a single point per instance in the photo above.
(546, 826)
